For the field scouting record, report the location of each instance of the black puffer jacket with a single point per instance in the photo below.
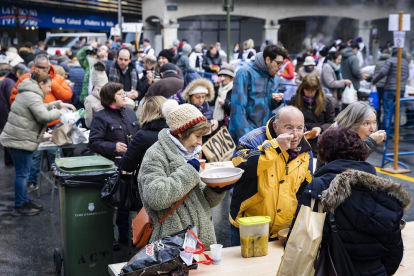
(106, 131)
(366, 214)
(142, 141)
(211, 60)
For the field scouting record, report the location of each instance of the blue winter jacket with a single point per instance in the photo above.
(76, 75)
(251, 99)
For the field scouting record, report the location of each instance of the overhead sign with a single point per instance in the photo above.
(172, 6)
(43, 18)
(399, 39)
(115, 31)
(393, 22)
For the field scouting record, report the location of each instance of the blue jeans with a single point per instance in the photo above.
(35, 167)
(22, 160)
(37, 157)
(234, 236)
(388, 101)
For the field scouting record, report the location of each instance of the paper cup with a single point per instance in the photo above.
(202, 163)
(216, 253)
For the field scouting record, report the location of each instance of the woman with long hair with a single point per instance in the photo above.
(317, 109)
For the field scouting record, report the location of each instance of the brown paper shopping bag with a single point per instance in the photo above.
(303, 244)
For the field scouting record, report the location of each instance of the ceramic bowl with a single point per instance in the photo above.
(282, 235)
(221, 177)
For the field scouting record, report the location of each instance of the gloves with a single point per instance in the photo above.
(220, 190)
(195, 164)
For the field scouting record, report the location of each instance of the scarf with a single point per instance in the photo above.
(292, 154)
(115, 75)
(222, 93)
(337, 69)
(308, 100)
(183, 151)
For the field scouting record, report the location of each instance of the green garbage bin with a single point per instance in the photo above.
(86, 224)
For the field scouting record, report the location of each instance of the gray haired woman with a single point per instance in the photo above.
(169, 172)
(361, 118)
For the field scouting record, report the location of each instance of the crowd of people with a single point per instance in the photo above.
(150, 115)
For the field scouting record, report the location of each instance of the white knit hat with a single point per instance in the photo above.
(181, 117)
(99, 77)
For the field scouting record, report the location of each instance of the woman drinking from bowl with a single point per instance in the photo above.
(317, 109)
(170, 171)
(361, 118)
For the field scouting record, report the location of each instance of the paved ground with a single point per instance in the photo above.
(27, 243)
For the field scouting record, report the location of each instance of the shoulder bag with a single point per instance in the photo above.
(142, 225)
(121, 190)
(333, 257)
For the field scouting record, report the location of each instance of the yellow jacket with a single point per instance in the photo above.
(271, 183)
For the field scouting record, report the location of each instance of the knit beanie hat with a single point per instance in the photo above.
(167, 54)
(187, 48)
(98, 74)
(181, 117)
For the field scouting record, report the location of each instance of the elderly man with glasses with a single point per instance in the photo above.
(255, 92)
(277, 161)
(60, 91)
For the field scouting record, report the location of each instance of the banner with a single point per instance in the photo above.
(219, 147)
(44, 18)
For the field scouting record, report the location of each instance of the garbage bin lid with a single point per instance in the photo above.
(84, 164)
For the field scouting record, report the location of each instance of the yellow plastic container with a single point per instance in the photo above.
(254, 236)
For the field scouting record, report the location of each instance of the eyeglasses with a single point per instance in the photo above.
(41, 67)
(123, 93)
(290, 129)
(279, 63)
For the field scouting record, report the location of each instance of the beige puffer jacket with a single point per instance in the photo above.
(28, 118)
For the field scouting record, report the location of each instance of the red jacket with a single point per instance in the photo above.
(60, 89)
(289, 71)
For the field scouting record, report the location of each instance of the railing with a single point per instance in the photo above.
(406, 137)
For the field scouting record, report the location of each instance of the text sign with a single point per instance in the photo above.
(172, 7)
(48, 18)
(115, 31)
(393, 22)
(220, 147)
(399, 39)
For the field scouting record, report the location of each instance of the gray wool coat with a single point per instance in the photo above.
(165, 178)
(328, 80)
(28, 118)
